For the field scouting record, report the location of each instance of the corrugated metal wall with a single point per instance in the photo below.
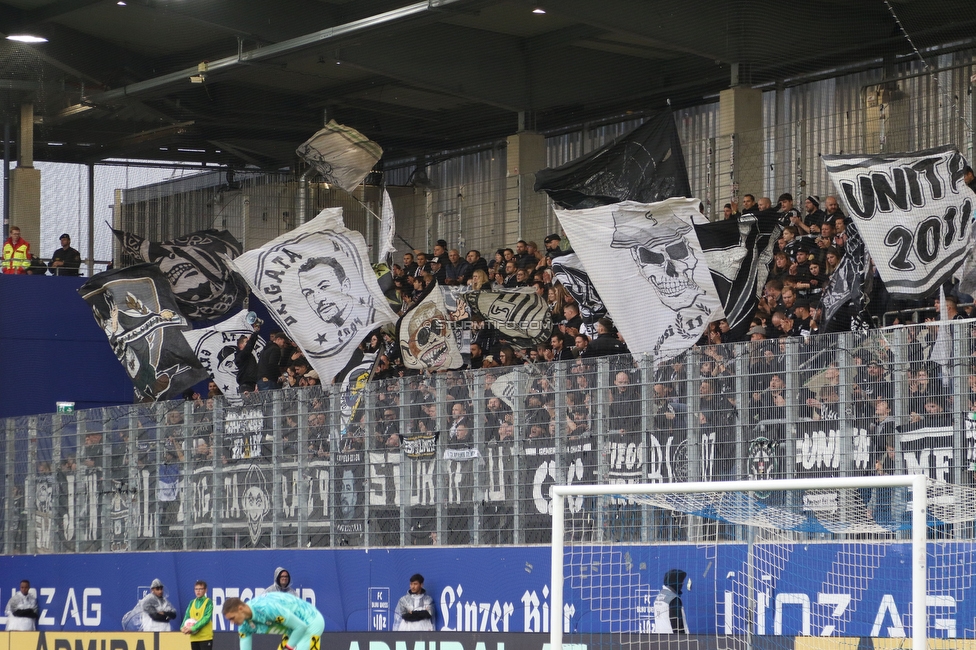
(698, 130)
(909, 109)
(841, 114)
(468, 200)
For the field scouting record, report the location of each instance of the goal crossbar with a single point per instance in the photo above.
(917, 482)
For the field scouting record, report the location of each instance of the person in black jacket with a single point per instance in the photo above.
(269, 362)
(247, 365)
(606, 343)
(65, 260)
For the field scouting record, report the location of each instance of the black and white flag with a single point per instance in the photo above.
(846, 293)
(350, 489)
(419, 445)
(387, 227)
(913, 211)
(569, 271)
(520, 318)
(136, 310)
(384, 276)
(428, 336)
(647, 264)
(738, 252)
(317, 283)
(667, 456)
(644, 165)
(216, 348)
(197, 267)
(343, 155)
(351, 393)
(508, 387)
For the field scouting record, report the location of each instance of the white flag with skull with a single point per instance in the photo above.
(645, 261)
(317, 283)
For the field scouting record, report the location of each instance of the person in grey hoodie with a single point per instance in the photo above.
(282, 582)
(157, 611)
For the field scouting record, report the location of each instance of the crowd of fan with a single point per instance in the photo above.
(822, 386)
(525, 266)
(810, 249)
(281, 364)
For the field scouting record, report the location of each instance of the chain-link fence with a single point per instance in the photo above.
(469, 457)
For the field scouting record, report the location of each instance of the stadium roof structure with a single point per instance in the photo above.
(243, 82)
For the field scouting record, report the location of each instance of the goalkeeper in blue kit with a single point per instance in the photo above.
(296, 620)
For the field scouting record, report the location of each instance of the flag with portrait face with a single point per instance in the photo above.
(216, 348)
(318, 285)
(137, 311)
(197, 267)
(647, 264)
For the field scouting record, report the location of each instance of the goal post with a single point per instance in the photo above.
(791, 511)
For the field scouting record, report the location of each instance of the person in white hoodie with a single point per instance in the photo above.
(415, 610)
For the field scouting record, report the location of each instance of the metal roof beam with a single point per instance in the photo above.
(265, 53)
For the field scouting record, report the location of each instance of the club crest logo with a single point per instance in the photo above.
(763, 461)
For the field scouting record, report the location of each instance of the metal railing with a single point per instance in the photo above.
(469, 457)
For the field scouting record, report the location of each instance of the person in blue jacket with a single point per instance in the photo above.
(297, 621)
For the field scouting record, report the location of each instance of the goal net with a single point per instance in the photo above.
(763, 565)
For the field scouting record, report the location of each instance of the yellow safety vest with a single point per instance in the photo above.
(16, 259)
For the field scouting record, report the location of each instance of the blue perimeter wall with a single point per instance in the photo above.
(52, 350)
(507, 589)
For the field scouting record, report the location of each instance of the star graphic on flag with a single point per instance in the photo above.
(321, 338)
